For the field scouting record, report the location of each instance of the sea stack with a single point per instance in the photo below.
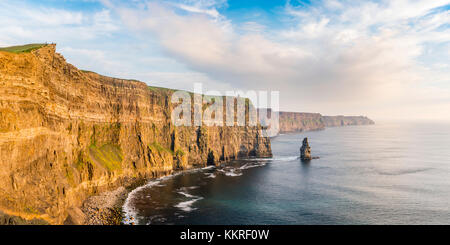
(305, 151)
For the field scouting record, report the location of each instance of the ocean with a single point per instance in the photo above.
(388, 173)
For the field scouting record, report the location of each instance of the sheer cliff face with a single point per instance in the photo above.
(299, 121)
(66, 134)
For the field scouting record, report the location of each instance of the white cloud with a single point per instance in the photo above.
(337, 57)
(183, 80)
(91, 58)
(384, 59)
(102, 21)
(252, 27)
(211, 12)
(40, 24)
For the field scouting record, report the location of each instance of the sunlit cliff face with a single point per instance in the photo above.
(384, 59)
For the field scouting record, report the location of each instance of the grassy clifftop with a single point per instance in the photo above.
(23, 48)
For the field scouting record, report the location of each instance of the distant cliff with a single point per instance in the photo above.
(301, 121)
(66, 134)
(337, 121)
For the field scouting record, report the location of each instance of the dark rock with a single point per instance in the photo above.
(305, 151)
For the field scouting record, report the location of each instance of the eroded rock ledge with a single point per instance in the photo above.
(67, 134)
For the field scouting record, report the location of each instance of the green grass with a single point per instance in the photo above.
(179, 152)
(69, 174)
(108, 155)
(159, 148)
(161, 89)
(23, 48)
(156, 89)
(80, 163)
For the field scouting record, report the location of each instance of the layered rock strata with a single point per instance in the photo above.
(66, 134)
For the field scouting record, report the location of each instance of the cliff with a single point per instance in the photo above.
(66, 134)
(301, 121)
(337, 121)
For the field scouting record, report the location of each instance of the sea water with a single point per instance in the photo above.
(388, 173)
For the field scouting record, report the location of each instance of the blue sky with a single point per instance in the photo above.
(384, 59)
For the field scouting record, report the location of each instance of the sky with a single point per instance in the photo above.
(387, 59)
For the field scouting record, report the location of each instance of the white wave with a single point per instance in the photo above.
(210, 175)
(187, 205)
(185, 194)
(248, 165)
(197, 169)
(231, 172)
(185, 188)
(257, 159)
(285, 159)
(281, 159)
(130, 214)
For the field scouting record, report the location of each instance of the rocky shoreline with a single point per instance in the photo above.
(105, 209)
